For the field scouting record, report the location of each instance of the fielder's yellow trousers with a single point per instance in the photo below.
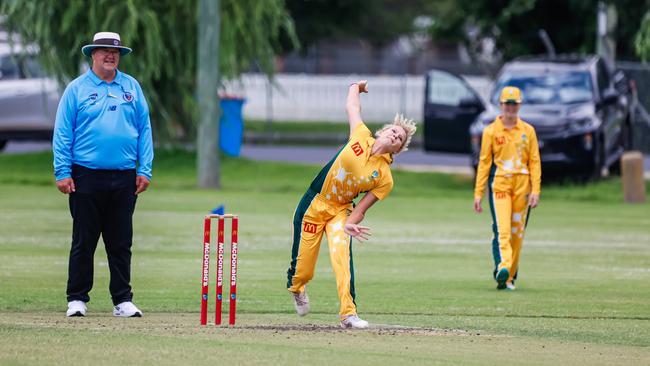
(509, 206)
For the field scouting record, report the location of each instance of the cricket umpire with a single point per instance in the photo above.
(103, 155)
(510, 165)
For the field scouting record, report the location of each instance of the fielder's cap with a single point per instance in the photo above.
(105, 40)
(510, 94)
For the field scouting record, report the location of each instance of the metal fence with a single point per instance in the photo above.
(306, 97)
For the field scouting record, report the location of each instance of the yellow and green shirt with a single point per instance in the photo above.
(353, 170)
(512, 151)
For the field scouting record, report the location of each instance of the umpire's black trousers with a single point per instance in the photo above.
(103, 203)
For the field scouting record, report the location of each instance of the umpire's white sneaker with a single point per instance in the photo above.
(301, 303)
(76, 308)
(126, 310)
(353, 321)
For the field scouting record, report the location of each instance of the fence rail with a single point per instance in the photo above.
(308, 97)
(301, 97)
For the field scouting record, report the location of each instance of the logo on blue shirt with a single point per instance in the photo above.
(93, 96)
(127, 96)
(112, 108)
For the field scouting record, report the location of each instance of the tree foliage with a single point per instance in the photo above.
(382, 21)
(378, 21)
(630, 17)
(322, 19)
(514, 24)
(163, 36)
(642, 40)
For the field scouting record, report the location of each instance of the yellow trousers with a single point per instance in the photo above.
(314, 217)
(509, 207)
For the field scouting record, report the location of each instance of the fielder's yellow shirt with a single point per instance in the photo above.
(355, 171)
(512, 151)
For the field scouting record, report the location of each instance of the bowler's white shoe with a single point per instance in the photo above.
(353, 321)
(76, 308)
(510, 286)
(126, 310)
(301, 303)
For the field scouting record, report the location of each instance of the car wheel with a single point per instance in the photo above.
(615, 169)
(625, 144)
(594, 169)
(599, 160)
(3, 143)
(626, 136)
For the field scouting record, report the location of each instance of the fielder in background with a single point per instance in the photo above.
(362, 165)
(102, 159)
(510, 164)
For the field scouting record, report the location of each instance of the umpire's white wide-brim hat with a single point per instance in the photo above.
(105, 40)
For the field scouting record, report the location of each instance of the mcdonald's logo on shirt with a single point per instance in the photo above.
(356, 147)
(308, 227)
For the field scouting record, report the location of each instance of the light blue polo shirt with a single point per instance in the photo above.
(102, 126)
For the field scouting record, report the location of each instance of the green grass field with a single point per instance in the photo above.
(423, 281)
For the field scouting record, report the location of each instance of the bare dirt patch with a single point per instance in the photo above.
(379, 329)
(178, 323)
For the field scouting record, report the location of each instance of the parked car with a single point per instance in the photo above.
(450, 107)
(579, 107)
(28, 99)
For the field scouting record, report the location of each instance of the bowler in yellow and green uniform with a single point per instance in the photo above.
(361, 166)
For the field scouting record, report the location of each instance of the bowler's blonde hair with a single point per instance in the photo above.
(407, 124)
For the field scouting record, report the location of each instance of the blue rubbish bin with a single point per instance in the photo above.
(231, 125)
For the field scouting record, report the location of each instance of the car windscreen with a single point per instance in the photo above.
(548, 87)
(32, 68)
(9, 69)
(20, 67)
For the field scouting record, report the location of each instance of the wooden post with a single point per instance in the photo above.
(207, 81)
(632, 176)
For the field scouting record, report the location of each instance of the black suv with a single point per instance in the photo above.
(580, 108)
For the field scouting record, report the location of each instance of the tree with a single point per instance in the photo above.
(377, 22)
(642, 39)
(322, 19)
(514, 25)
(383, 21)
(629, 25)
(163, 35)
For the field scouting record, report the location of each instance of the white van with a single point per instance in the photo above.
(28, 99)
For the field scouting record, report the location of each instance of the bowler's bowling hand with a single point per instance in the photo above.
(533, 200)
(141, 184)
(361, 233)
(65, 185)
(363, 86)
